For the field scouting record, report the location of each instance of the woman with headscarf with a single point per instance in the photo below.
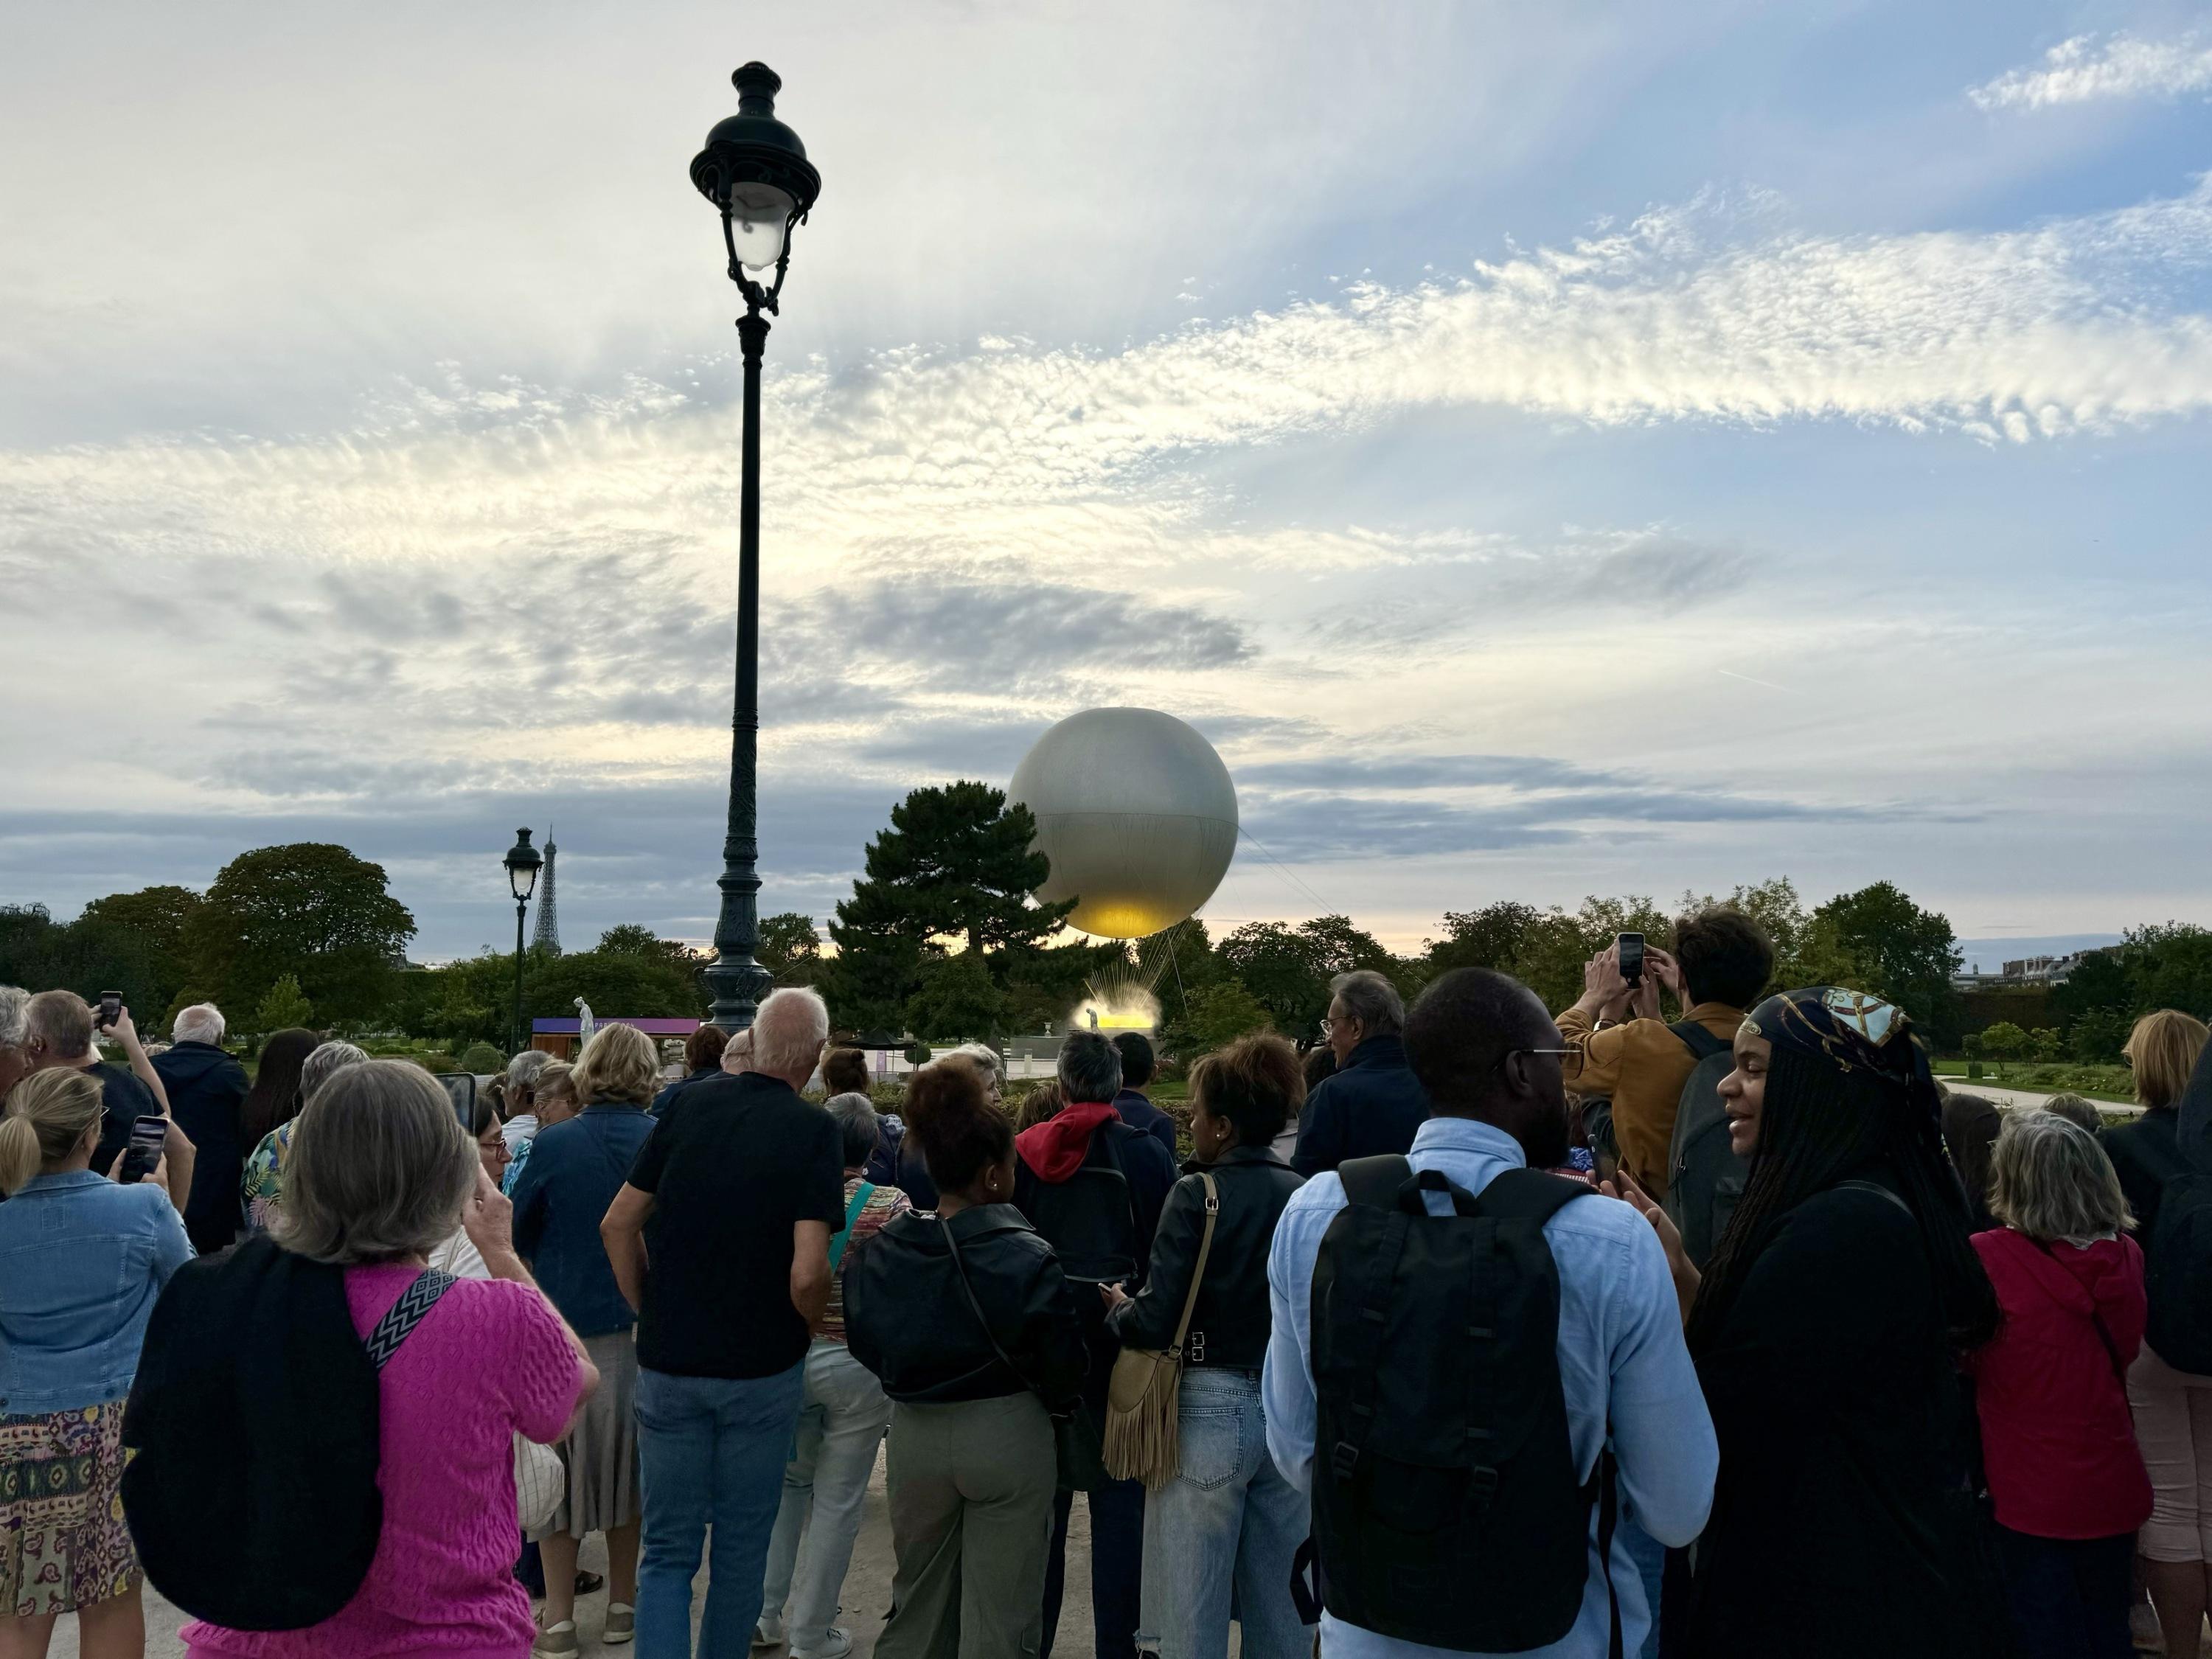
(1826, 1329)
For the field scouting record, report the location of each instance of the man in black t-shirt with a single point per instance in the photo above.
(720, 1240)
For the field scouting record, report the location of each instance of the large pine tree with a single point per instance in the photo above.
(956, 865)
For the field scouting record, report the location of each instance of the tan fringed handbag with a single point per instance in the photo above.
(1142, 1408)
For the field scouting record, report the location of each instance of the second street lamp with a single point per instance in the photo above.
(522, 862)
(755, 173)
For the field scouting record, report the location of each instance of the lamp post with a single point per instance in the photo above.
(522, 862)
(755, 173)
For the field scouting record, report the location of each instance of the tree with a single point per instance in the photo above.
(2004, 1041)
(1287, 970)
(1902, 953)
(2098, 1003)
(790, 948)
(640, 986)
(955, 864)
(1218, 1014)
(282, 1007)
(956, 998)
(161, 917)
(2044, 1044)
(309, 910)
(88, 955)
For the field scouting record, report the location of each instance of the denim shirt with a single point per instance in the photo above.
(81, 1261)
(575, 1169)
(1622, 1365)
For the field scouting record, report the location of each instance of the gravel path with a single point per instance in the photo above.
(867, 1594)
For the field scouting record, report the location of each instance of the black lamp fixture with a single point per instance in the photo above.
(755, 173)
(523, 863)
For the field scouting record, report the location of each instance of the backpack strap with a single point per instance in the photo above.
(1529, 1196)
(1701, 1043)
(1371, 1183)
(404, 1314)
(1375, 1182)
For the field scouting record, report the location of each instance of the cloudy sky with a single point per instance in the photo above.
(1549, 449)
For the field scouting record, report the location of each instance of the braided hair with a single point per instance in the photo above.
(1819, 1126)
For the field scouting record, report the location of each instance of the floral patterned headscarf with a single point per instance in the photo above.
(1852, 1031)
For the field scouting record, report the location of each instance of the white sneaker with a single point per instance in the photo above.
(839, 1644)
(768, 1634)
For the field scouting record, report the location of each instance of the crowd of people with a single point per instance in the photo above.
(1470, 1329)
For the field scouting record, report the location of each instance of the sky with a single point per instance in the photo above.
(1548, 450)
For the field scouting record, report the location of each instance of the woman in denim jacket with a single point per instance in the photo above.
(81, 1260)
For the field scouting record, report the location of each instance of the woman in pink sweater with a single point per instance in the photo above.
(2064, 1472)
(378, 1176)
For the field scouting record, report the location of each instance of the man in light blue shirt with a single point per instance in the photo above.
(1489, 1056)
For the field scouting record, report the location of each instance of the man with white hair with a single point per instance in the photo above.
(206, 1086)
(720, 1240)
(14, 1032)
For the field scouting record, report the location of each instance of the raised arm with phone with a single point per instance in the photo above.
(1625, 1052)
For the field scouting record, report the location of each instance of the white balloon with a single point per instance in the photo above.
(1137, 814)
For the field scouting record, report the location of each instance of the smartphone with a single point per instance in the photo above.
(1631, 946)
(144, 1151)
(110, 1005)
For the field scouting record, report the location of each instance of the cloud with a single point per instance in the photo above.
(483, 593)
(2087, 69)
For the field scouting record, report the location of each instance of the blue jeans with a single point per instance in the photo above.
(1228, 1520)
(711, 1453)
(1649, 1556)
(841, 1428)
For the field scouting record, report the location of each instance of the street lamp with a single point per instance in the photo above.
(522, 862)
(755, 173)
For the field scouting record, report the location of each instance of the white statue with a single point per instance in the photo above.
(585, 1024)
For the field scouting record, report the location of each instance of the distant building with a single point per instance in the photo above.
(2027, 972)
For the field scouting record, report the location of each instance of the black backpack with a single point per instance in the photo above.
(252, 1497)
(2178, 1254)
(1705, 1177)
(1446, 1506)
(1091, 1218)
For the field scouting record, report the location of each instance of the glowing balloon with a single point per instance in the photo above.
(1137, 814)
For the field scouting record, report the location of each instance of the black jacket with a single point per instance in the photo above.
(908, 1320)
(1841, 1524)
(255, 1415)
(2146, 1154)
(1230, 1324)
(206, 1087)
(1375, 1105)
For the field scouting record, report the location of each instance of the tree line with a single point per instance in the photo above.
(944, 939)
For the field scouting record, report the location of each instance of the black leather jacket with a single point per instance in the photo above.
(908, 1320)
(1230, 1324)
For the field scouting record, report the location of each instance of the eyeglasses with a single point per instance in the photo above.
(1571, 1059)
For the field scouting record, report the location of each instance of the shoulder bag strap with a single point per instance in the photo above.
(404, 1314)
(976, 1308)
(2096, 1321)
(1198, 1273)
(863, 1190)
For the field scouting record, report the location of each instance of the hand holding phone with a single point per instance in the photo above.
(140, 1158)
(1630, 949)
(110, 1005)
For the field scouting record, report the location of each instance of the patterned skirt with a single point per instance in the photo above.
(63, 1542)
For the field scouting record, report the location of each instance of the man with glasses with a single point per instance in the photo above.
(1372, 1104)
(1489, 1058)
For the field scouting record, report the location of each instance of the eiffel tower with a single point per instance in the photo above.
(547, 938)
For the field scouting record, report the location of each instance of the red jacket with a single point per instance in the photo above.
(2057, 1437)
